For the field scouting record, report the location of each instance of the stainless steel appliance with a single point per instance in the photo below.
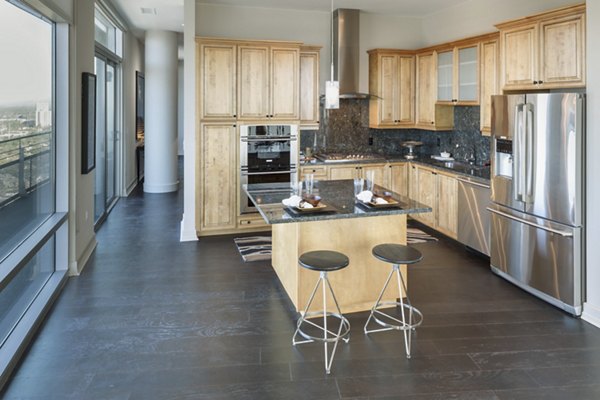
(340, 158)
(473, 216)
(537, 204)
(268, 154)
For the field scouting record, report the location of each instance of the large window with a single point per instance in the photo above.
(33, 235)
(27, 188)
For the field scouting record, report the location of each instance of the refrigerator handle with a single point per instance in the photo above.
(518, 154)
(529, 153)
(524, 221)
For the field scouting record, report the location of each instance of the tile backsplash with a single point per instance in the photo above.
(346, 130)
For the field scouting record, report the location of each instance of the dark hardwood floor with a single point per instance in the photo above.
(153, 318)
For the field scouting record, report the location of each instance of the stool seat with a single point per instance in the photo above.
(397, 254)
(323, 260)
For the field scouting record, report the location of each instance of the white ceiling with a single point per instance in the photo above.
(169, 13)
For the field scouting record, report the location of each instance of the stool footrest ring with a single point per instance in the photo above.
(413, 322)
(345, 328)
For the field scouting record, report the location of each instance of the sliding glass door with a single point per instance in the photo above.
(106, 127)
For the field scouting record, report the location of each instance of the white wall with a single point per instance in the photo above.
(180, 108)
(133, 60)
(82, 239)
(592, 306)
(476, 17)
(309, 27)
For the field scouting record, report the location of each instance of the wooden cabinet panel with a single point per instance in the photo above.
(489, 83)
(398, 178)
(391, 81)
(562, 51)
(427, 194)
(447, 204)
(544, 51)
(217, 79)
(425, 90)
(319, 172)
(309, 88)
(217, 161)
(253, 87)
(284, 83)
(519, 47)
(378, 173)
(343, 172)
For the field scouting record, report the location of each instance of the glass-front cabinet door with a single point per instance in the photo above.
(445, 76)
(468, 74)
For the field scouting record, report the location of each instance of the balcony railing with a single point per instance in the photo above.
(25, 164)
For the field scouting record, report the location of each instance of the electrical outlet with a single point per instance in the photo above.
(370, 141)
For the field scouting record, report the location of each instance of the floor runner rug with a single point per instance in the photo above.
(258, 248)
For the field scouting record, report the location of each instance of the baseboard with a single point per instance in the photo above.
(78, 265)
(131, 186)
(591, 314)
(187, 235)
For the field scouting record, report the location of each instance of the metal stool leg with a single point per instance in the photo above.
(335, 337)
(415, 318)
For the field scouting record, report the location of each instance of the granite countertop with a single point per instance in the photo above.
(479, 173)
(337, 195)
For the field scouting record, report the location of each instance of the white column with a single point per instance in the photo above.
(188, 221)
(160, 164)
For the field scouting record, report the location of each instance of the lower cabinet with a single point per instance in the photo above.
(397, 178)
(438, 190)
(447, 204)
(217, 173)
(359, 171)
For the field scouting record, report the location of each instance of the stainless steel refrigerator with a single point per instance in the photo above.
(537, 200)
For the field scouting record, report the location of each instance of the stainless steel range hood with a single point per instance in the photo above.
(346, 54)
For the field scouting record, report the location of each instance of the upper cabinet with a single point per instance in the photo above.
(217, 80)
(309, 87)
(458, 75)
(544, 51)
(392, 86)
(268, 82)
(489, 82)
(429, 115)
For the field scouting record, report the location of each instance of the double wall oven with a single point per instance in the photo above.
(268, 154)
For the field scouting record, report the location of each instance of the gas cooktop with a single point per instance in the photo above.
(340, 157)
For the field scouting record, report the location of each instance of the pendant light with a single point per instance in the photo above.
(332, 88)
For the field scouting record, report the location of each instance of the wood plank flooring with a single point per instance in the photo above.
(152, 318)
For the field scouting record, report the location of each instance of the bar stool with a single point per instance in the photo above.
(396, 254)
(323, 261)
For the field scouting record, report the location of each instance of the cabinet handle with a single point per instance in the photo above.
(234, 125)
(432, 122)
(234, 115)
(535, 82)
(540, 82)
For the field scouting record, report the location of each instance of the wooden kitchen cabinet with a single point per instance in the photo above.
(392, 84)
(319, 172)
(351, 171)
(217, 171)
(397, 179)
(217, 80)
(458, 75)
(309, 87)
(446, 212)
(268, 82)
(544, 51)
(489, 82)
(429, 115)
(438, 190)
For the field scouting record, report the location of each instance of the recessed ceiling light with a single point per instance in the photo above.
(148, 10)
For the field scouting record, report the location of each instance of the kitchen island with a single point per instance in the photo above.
(343, 226)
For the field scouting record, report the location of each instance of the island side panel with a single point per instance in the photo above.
(357, 286)
(284, 257)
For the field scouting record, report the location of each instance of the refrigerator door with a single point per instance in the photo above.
(553, 161)
(506, 150)
(541, 257)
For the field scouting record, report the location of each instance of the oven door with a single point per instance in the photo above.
(247, 177)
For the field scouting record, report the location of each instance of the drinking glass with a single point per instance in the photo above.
(309, 181)
(296, 188)
(370, 175)
(358, 185)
